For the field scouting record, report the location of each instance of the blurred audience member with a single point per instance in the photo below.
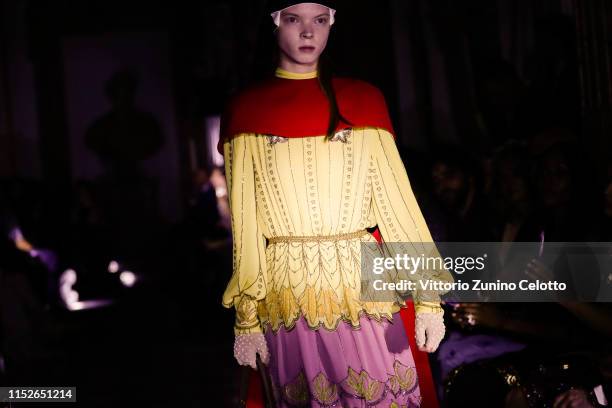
(24, 272)
(203, 217)
(565, 193)
(512, 196)
(122, 139)
(126, 135)
(501, 96)
(217, 178)
(457, 186)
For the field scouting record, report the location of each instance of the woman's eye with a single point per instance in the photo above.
(291, 19)
(321, 20)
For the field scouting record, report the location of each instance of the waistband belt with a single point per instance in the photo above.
(317, 238)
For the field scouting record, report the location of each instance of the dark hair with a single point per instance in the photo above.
(324, 73)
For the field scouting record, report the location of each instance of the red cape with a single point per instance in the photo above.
(298, 108)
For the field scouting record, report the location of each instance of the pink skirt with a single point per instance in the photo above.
(367, 367)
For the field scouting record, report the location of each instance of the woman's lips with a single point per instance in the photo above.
(307, 49)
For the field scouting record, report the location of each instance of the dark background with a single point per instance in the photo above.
(431, 59)
(468, 74)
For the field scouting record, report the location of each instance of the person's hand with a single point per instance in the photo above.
(536, 270)
(429, 331)
(246, 347)
(23, 245)
(574, 398)
(482, 314)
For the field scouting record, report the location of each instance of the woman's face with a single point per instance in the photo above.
(450, 185)
(513, 187)
(554, 180)
(302, 36)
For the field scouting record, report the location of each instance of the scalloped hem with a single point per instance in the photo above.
(377, 316)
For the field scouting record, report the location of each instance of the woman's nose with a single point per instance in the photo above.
(307, 34)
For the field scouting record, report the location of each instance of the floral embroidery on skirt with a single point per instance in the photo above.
(367, 367)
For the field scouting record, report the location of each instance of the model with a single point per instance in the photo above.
(311, 164)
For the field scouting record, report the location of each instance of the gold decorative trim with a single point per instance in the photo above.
(419, 308)
(378, 316)
(243, 327)
(317, 238)
(282, 73)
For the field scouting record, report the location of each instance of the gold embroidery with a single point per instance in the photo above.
(247, 320)
(346, 186)
(288, 305)
(322, 309)
(352, 305)
(320, 281)
(404, 378)
(328, 307)
(318, 238)
(246, 313)
(310, 306)
(323, 390)
(358, 385)
(419, 308)
(296, 392)
(363, 386)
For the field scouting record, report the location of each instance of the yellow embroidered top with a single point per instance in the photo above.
(304, 187)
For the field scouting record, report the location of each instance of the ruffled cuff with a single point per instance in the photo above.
(247, 321)
(241, 330)
(428, 307)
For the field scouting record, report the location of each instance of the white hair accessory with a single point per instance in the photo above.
(276, 15)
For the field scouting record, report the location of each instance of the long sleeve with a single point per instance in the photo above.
(247, 284)
(399, 217)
